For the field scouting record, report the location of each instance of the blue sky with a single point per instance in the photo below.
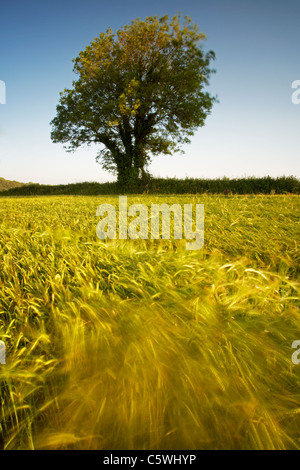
(252, 131)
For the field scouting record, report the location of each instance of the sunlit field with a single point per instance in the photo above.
(142, 344)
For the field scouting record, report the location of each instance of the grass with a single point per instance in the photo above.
(141, 344)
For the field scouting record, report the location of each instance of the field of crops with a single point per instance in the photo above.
(142, 344)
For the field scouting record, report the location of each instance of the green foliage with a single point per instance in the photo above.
(140, 344)
(266, 185)
(139, 93)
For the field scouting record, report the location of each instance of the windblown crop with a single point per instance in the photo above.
(141, 344)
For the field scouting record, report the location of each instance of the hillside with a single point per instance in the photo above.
(7, 184)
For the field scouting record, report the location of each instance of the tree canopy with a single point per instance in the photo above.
(139, 93)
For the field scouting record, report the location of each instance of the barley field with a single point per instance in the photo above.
(142, 344)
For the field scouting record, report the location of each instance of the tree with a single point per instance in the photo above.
(139, 93)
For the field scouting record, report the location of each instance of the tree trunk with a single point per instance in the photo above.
(127, 175)
(132, 176)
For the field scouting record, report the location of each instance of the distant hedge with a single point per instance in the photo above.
(251, 185)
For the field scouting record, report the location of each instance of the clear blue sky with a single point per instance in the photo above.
(254, 130)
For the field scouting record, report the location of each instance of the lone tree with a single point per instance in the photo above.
(139, 93)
